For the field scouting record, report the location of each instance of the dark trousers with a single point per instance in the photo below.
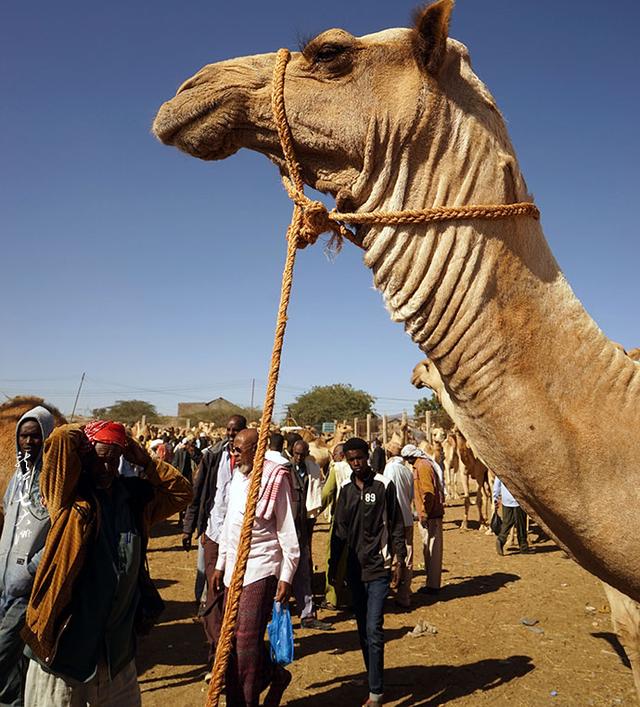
(212, 614)
(13, 664)
(514, 516)
(250, 668)
(368, 605)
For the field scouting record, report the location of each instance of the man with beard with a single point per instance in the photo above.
(271, 566)
(24, 533)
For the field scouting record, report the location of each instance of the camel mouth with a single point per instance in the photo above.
(194, 131)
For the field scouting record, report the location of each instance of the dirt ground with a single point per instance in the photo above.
(482, 654)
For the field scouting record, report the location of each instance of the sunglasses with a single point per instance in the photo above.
(239, 450)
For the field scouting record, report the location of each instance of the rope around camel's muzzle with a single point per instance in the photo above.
(310, 219)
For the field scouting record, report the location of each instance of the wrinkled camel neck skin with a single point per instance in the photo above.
(532, 381)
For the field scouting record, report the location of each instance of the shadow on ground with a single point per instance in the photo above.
(613, 641)
(339, 642)
(467, 587)
(176, 640)
(166, 528)
(420, 685)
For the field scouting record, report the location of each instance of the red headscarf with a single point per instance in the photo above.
(107, 432)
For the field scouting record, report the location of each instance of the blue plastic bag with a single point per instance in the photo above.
(280, 633)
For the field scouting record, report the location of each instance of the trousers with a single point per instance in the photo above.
(368, 606)
(13, 664)
(431, 535)
(45, 688)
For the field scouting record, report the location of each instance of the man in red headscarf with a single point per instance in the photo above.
(86, 603)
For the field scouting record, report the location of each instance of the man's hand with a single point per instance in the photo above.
(216, 580)
(135, 453)
(422, 517)
(186, 541)
(283, 592)
(397, 573)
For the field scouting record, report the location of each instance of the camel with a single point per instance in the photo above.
(398, 120)
(320, 448)
(473, 468)
(450, 468)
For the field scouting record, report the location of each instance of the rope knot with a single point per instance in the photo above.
(316, 219)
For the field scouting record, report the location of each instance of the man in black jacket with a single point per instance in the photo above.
(205, 516)
(368, 521)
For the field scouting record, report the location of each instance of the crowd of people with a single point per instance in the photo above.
(74, 585)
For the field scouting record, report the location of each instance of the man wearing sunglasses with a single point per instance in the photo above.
(273, 559)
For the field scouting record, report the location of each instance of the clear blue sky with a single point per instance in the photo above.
(122, 257)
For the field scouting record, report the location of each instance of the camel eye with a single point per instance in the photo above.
(329, 52)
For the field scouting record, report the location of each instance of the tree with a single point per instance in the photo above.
(439, 416)
(324, 403)
(127, 411)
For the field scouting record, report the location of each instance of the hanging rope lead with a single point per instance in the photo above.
(310, 219)
(223, 649)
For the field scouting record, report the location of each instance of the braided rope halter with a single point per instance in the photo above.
(309, 220)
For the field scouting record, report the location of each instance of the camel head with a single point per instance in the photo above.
(345, 97)
(425, 375)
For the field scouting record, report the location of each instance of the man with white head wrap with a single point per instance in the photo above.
(429, 502)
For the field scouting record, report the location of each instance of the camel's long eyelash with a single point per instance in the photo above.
(304, 40)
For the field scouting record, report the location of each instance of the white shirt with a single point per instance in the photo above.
(274, 542)
(221, 499)
(402, 477)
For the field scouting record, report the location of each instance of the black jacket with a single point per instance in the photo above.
(204, 490)
(369, 522)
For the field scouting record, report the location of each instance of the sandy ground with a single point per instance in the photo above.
(481, 654)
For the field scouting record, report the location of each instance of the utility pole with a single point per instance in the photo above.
(253, 390)
(73, 412)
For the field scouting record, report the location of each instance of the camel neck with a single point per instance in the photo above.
(524, 368)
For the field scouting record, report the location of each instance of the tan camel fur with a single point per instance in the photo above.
(398, 120)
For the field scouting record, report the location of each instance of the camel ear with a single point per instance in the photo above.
(431, 30)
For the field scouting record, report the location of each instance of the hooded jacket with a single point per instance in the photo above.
(26, 522)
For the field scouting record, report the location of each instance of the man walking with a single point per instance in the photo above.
(398, 472)
(307, 505)
(368, 522)
(512, 515)
(429, 502)
(26, 523)
(204, 517)
(271, 565)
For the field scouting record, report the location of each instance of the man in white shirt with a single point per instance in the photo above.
(272, 563)
(398, 472)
